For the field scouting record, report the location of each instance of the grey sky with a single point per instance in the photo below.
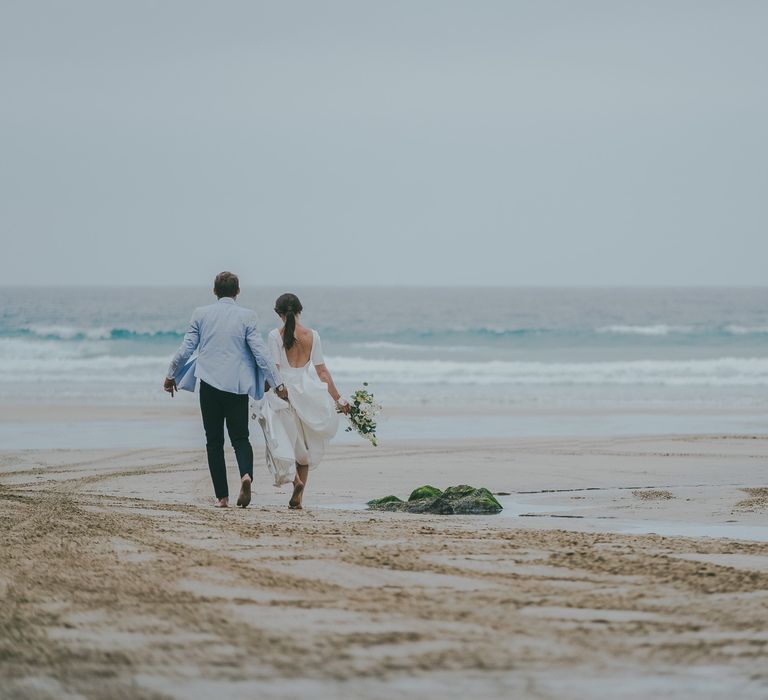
(146, 142)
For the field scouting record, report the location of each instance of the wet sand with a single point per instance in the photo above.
(119, 579)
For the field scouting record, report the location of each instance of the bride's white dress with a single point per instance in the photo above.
(297, 430)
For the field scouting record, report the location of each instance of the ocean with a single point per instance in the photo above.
(439, 350)
(497, 345)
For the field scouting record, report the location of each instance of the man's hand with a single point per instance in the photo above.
(282, 392)
(170, 386)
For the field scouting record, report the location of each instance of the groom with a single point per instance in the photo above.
(232, 363)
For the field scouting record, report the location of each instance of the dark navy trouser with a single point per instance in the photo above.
(219, 407)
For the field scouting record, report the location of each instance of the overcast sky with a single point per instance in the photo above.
(384, 142)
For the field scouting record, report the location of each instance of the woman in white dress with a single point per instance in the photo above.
(297, 431)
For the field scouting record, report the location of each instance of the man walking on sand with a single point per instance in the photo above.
(232, 364)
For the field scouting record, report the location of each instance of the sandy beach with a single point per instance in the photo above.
(119, 579)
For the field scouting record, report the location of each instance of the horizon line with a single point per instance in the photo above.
(79, 285)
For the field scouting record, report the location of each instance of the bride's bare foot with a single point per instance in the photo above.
(222, 503)
(245, 492)
(298, 489)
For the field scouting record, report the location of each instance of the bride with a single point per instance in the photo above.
(297, 431)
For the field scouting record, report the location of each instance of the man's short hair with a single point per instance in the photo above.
(226, 284)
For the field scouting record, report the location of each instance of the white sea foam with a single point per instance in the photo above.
(55, 332)
(65, 361)
(386, 345)
(21, 349)
(658, 329)
(664, 329)
(716, 372)
(67, 332)
(746, 330)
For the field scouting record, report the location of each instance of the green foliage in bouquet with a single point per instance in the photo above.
(362, 414)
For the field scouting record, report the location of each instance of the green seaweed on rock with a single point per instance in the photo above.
(424, 492)
(465, 499)
(455, 500)
(383, 501)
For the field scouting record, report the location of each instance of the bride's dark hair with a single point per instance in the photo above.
(288, 305)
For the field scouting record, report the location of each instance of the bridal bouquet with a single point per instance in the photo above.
(362, 414)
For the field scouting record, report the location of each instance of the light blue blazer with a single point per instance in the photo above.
(231, 354)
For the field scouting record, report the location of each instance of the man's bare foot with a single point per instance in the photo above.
(298, 489)
(245, 492)
(222, 503)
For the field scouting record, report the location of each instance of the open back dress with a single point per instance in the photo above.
(297, 430)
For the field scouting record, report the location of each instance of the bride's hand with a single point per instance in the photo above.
(342, 407)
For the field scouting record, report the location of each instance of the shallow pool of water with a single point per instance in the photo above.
(554, 516)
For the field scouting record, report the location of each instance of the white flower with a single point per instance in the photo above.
(362, 413)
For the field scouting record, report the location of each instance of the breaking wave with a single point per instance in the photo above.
(26, 360)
